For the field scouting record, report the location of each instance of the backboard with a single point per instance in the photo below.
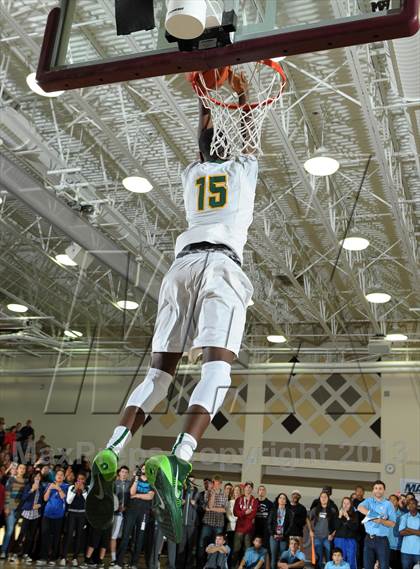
(81, 47)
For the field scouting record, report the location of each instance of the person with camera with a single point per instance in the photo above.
(138, 513)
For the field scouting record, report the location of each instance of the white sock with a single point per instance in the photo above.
(184, 446)
(120, 437)
(113, 555)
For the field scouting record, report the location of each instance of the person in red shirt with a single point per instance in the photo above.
(10, 439)
(245, 509)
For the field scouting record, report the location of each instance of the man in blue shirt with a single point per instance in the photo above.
(380, 516)
(293, 558)
(410, 530)
(255, 556)
(337, 560)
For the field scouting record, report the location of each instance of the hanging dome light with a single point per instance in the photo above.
(276, 339)
(321, 164)
(378, 296)
(355, 241)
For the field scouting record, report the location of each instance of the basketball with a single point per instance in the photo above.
(213, 78)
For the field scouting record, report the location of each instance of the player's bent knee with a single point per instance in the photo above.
(211, 390)
(151, 391)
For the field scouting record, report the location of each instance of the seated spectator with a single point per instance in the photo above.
(263, 512)
(245, 509)
(293, 558)
(410, 531)
(279, 523)
(76, 519)
(31, 506)
(255, 556)
(52, 521)
(346, 532)
(337, 560)
(322, 519)
(217, 553)
(14, 492)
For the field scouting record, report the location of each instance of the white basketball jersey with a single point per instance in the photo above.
(219, 202)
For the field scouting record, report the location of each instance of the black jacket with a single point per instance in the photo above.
(347, 528)
(272, 521)
(299, 515)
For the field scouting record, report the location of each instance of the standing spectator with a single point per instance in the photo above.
(322, 519)
(337, 560)
(98, 539)
(255, 556)
(394, 535)
(40, 444)
(14, 492)
(207, 483)
(122, 493)
(158, 539)
(263, 511)
(137, 516)
(227, 489)
(2, 435)
(190, 520)
(76, 519)
(402, 503)
(293, 558)
(346, 532)
(245, 509)
(279, 525)
(2, 499)
(69, 476)
(218, 553)
(26, 433)
(327, 490)
(231, 518)
(31, 513)
(214, 517)
(299, 515)
(410, 532)
(10, 440)
(381, 517)
(358, 499)
(52, 521)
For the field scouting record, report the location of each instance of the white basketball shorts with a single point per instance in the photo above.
(202, 303)
(117, 526)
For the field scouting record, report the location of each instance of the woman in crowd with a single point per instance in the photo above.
(31, 513)
(76, 519)
(394, 535)
(231, 518)
(322, 518)
(14, 491)
(347, 531)
(52, 521)
(279, 523)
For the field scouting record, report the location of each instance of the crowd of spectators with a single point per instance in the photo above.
(42, 514)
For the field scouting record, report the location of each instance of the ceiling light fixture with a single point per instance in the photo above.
(396, 337)
(321, 164)
(17, 308)
(73, 334)
(36, 87)
(127, 304)
(64, 259)
(378, 297)
(137, 185)
(355, 242)
(276, 339)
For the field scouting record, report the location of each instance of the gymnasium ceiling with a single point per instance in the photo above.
(83, 143)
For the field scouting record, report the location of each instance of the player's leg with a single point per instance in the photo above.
(206, 399)
(142, 401)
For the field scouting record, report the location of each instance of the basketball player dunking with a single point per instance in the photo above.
(202, 306)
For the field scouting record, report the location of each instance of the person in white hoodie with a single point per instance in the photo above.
(76, 519)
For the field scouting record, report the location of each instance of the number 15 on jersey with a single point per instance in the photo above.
(212, 192)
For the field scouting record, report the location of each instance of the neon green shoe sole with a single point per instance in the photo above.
(100, 498)
(167, 476)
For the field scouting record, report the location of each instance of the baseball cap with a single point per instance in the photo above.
(297, 492)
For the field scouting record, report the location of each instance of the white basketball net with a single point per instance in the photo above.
(239, 128)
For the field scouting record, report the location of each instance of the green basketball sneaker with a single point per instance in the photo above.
(100, 498)
(167, 476)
